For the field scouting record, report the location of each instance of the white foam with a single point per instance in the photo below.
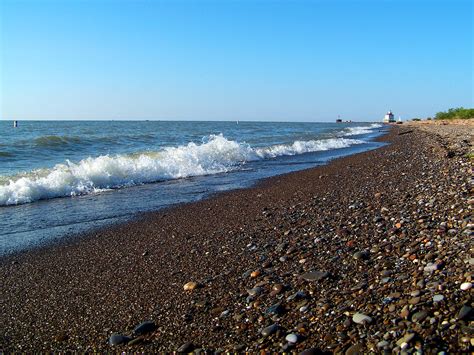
(215, 155)
(358, 130)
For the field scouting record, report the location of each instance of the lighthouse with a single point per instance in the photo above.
(389, 117)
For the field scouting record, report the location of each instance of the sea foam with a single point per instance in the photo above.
(215, 155)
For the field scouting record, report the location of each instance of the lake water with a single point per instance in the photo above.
(64, 177)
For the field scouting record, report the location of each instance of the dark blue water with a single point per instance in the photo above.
(63, 177)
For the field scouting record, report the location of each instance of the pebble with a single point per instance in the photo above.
(186, 348)
(361, 318)
(466, 286)
(406, 339)
(276, 309)
(145, 327)
(438, 298)
(382, 344)
(315, 275)
(464, 312)
(255, 291)
(255, 273)
(355, 349)
(361, 255)
(190, 286)
(430, 267)
(419, 317)
(292, 338)
(269, 330)
(117, 339)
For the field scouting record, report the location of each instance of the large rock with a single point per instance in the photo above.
(145, 327)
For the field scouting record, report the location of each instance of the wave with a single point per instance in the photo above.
(359, 130)
(215, 155)
(6, 154)
(54, 141)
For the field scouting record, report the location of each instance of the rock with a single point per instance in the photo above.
(382, 344)
(315, 275)
(269, 330)
(464, 312)
(135, 341)
(361, 255)
(145, 327)
(292, 338)
(355, 349)
(190, 286)
(117, 339)
(438, 298)
(255, 291)
(276, 309)
(277, 288)
(419, 317)
(255, 273)
(430, 267)
(406, 339)
(186, 348)
(361, 318)
(466, 286)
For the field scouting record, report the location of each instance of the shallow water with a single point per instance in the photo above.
(61, 177)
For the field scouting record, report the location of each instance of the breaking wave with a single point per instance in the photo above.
(215, 155)
(358, 130)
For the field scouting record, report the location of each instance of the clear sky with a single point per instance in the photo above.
(225, 60)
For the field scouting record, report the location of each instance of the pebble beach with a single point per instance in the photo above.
(370, 253)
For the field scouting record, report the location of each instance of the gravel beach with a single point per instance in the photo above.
(371, 253)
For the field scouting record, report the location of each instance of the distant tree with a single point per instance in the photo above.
(456, 113)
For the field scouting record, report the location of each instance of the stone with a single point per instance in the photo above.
(361, 255)
(355, 349)
(361, 318)
(255, 291)
(117, 339)
(438, 298)
(255, 273)
(186, 348)
(466, 286)
(382, 344)
(430, 267)
(292, 338)
(135, 341)
(315, 275)
(464, 312)
(419, 317)
(269, 330)
(276, 309)
(190, 286)
(145, 327)
(406, 339)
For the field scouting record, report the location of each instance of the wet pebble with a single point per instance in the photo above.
(361, 318)
(145, 327)
(269, 330)
(117, 339)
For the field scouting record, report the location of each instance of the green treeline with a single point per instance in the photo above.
(456, 113)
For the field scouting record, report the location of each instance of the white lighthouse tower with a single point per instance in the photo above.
(389, 117)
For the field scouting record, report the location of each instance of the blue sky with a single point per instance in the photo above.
(224, 60)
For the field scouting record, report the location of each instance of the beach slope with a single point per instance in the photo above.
(372, 252)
